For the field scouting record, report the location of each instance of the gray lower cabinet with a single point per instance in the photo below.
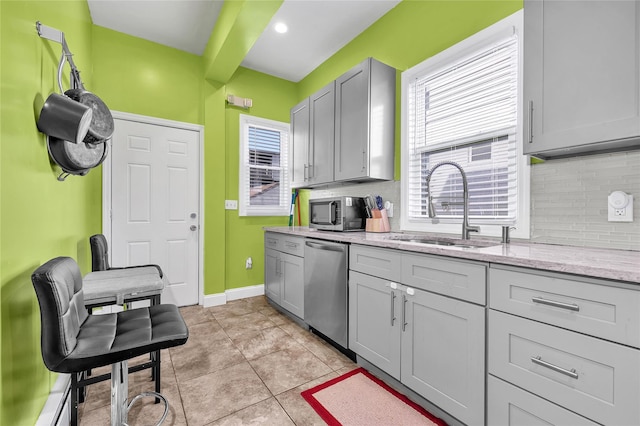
(431, 343)
(568, 340)
(374, 325)
(443, 353)
(284, 272)
(272, 277)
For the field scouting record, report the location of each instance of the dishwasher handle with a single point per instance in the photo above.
(339, 248)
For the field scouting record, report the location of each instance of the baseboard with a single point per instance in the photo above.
(244, 292)
(57, 403)
(232, 294)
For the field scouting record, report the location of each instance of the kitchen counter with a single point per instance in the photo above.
(620, 265)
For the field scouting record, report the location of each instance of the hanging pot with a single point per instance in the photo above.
(76, 158)
(64, 118)
(102, 126)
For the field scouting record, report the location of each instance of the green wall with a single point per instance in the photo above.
(138, 76)
(41, 217)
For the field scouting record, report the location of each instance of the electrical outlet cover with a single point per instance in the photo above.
(620, 207)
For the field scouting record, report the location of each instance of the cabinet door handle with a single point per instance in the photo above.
(305, 173)
(530, 121)
(393, 308)
(571, 373)
(404, 312)
(291, 245)
(364, 160)
(556, 304)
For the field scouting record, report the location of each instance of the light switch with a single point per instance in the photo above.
(231, 204)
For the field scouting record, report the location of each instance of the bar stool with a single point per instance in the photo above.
(107, 286)
(73, 341)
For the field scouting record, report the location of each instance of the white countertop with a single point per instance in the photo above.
(620, 265)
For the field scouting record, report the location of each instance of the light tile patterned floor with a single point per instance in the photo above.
(244, 363)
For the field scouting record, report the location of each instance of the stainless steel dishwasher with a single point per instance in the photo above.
(325, 289)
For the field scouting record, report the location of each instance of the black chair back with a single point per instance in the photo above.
(99, 253)
(58, 285)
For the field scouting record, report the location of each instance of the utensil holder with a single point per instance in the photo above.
(379, 222)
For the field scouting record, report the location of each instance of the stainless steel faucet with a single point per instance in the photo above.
(466, 228)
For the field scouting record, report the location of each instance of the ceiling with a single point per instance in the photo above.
(316, 28)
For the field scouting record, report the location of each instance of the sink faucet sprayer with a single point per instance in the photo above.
(466, 228)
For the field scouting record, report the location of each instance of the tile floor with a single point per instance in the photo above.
(244, 363)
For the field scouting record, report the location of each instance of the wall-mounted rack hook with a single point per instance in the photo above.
(49, 33)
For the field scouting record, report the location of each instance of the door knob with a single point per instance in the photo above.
(193, 215)
(193, 228)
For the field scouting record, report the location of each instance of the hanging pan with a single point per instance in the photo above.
(102, 126)
(75, 158)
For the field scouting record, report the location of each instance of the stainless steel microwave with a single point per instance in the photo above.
(337, 214)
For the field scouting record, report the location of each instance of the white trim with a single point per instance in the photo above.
(55, 401)
(106, 185)
(244, 292)
(217, 299)
(233, 294)
(513, 24)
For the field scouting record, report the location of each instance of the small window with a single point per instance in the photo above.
(264, 181)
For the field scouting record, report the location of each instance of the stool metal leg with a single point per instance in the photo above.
(73, 399)
(119, 393)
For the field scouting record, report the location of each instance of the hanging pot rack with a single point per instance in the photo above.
(73, 157)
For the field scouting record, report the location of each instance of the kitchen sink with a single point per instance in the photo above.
(447, 242)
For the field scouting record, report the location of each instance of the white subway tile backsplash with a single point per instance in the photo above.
(574, 191)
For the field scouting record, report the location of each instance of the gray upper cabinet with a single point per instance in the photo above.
(365, 122)
(345, 131)
(581, 76)
(321, 128)
(299, 144)
(312, 132)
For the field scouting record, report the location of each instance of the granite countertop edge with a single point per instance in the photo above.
(619, 265)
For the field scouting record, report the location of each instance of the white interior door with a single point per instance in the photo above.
(155, 204)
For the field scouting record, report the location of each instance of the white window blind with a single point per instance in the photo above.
(466, 112)
(264, 182)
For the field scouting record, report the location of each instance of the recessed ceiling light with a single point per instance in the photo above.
(281, 27)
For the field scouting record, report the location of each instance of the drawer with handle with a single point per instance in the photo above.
(284, 243)
(588, 306)
(592, 377)
(292, 245)
(379, 262)
(511, 406)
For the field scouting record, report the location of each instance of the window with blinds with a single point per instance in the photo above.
(264, 182)
(464, 109)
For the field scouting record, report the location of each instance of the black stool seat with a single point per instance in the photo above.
(110, 338)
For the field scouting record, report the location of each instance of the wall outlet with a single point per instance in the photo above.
(249, 263)
(620, 207)
(231, 204)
